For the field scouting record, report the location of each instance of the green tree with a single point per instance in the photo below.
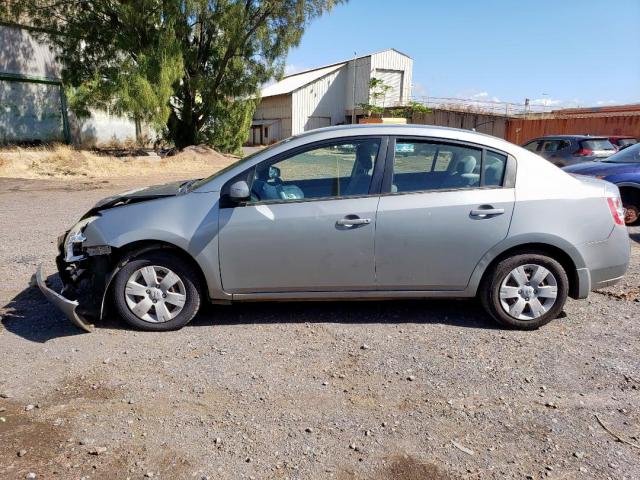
(377, 94)
(193, 67)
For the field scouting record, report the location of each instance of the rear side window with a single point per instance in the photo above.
(597, 144)
(532, 146)
(427, 165)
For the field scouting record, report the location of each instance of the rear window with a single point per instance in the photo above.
(597, 144)
(624, 142)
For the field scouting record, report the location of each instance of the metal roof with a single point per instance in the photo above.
(299, 80)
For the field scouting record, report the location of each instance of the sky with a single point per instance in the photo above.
(560, 53)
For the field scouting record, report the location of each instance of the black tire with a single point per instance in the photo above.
(489, 292)
(635, 212)
(165, 259)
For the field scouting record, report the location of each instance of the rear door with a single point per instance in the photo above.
(446, 204)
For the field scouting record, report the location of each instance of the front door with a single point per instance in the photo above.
(446, 207)
(310, 223)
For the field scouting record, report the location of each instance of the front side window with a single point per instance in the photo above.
(341, 169)
(427, 165)
(532, 146)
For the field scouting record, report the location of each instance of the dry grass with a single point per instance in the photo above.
(61, 161)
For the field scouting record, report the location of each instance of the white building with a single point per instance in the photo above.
(324, 96)
(32, 102)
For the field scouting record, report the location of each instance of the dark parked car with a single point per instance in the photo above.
(621, 142)
(623, 169)
(563, 150)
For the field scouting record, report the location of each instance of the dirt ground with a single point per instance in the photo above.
(382, 390)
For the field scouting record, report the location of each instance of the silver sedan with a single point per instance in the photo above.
(352, 212)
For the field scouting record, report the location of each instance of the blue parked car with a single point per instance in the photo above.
(623, 169)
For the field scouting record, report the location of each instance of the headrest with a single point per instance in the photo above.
(364, 154)
(466, 164)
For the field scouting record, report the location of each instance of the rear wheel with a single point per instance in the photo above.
(525, 291)
(157, 291)
(631, 214)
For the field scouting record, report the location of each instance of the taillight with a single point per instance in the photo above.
(583, 152)
(617, 210)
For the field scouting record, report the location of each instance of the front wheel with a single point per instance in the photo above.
(525, 291)
(157, 291)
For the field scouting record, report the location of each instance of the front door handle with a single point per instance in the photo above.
(486, 212)
(351, 221)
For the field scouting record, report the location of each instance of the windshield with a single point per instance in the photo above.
(203, 181)
(628, 155)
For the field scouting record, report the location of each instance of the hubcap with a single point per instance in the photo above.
(528, 292)
(155, 294)
(630, 214)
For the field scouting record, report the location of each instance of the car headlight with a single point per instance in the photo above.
(74, 239)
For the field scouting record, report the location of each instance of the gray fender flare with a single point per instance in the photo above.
(522, 240)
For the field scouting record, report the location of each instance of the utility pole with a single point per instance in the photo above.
(355, 74)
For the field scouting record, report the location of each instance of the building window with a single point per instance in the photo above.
(266, 132)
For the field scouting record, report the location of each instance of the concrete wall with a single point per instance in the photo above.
(314, 104)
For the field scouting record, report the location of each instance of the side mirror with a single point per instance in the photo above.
(239, 191)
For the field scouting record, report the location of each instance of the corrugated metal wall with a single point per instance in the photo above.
(30, 112)
(393, 60)
(31, 107)
(324, 98)
(361, 68)
(489, 124)
(276, 108)
(520, 131)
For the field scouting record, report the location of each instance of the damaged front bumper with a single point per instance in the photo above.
(68, 307)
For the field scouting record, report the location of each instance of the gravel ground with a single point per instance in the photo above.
(379, 390)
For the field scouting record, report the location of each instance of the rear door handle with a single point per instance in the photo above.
(350, 222)
(486, 212)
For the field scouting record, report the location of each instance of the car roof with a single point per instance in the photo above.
(401, 129)
(575, 137)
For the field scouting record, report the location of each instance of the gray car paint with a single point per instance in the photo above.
(294, 251)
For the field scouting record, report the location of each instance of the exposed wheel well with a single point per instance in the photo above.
(135, 249)
(554, 252)
(630, 195)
